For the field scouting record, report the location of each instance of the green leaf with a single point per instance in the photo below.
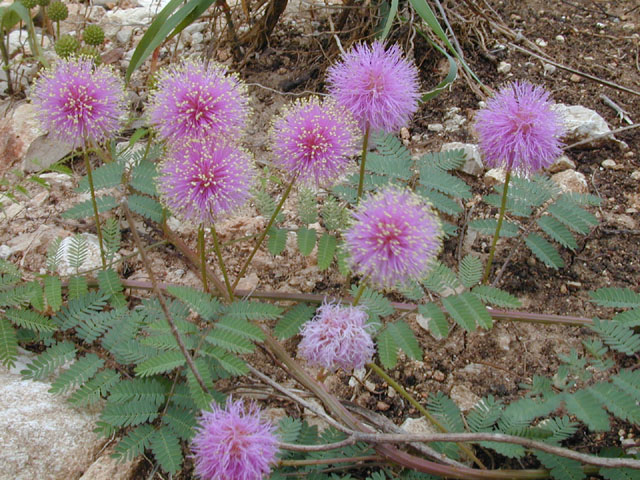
(53, 292)
(438, 179)
(628, 381)
(572, 216)
(391, 15)
(228, 361)
(374, 302)
(182, 422)
(617, 401)
(470, 271)
(201, 398)
(145, 206)
(630, 318)
(246, 310)
(306, 238)
(290, 323)
(91, 392)
(484, 415)
(109, 282)
(144, 173)
(167, 450)
(448, 160)
(79, 309)
(618, 336)
(561, 468)
(442, 279)
(488, 226)
(326, 249)
(440, 201)
(204, 304)
(8, 344)
(438, 325)
(150, 390)
(587, 408)
(495, 296)
(615, 297)
(163, 363)
(77, 287)
(31, 320)
(387, 349)
(544, 251)
(557, 231)
(619, 474)
(44, 364)
(133, 443)
(108, 175)
(467, 311)
(82, 369)
(446, 411)
(307, 206)
(277, 240)
(131, 413)
(404, 337)
(77, 252)
(85, 209)
(230, 341)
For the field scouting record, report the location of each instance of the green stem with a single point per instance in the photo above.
(216, 248)
(365, 146)
(264, 233)
(57, 29)
(95, 205)
(496, 235)
(5, 60)
(203, 258)
(359, 293)
(408, 397)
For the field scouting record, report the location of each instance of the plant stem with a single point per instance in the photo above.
(496, 235)
(216, 248)
(359, 293)
(264, 233)
(365, 146)
(407, 396)
(203, 258)
(5, 60)
(163, 304)
(94, 204)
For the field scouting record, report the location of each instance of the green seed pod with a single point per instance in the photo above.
(58, 11)
(91, 52)
(93, 35)
(43, 3)
(29, 3)
(66, 45)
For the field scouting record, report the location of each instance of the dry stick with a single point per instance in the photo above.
(160, 296)
(513, 315)
(604, 462)
(602, 135)
(446, 22)
(577, 72)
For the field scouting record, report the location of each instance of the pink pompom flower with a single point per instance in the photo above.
(205, 178)
(394, 238)
(377, 85)
(192, 100)
(519, 130)
(234, 443)
(315, 140)
(338, 336)
(78, 102)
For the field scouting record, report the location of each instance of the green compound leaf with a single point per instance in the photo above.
(181, 421)
(8, 344)
(618, 336)
(572, 215)
(615, 297)
(150, 390)
(588, 409)
(438, 325)
(167, 450)
(545, 251)
(557, 231)
(162, 363)
(619, 473)
(91, 392)
(404, 337)
(85, 209)
(204, 304)
(108, 175)
(252, 311)
(470, 271)
(495, 296)
(134, 412)
(387, 349)
(440, 180)
(30, 320)
(488, 226)
(307, 206)
(484, 415)
(306, 238)
(44, 364)
(445, 410)
(326, 249)
(290, 323)
(53, 292)
(277, 240)
(467, 311)
(561, 468)
(440, 201)
(77, 287)
(145, 206)
(82, 369)
(133, 443)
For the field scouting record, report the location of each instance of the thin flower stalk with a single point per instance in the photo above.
(496, 235)
(363, 161)
(203, 258)
(223, 268)
(94, 204)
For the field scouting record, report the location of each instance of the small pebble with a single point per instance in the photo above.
(382, 406)
(563, 289)
(575, 78)
(610, 164)
(560, 38)
(541, 42)
(504, 67)
(549, 69)
(438, 376)
(435, 127)
(635, 174)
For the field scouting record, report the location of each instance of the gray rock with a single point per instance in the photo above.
(561, 164)
(108, 468)
(43, 152)
(17, 131)
(582, 124)
(495, 176)
(473, 164)
(92, 261)
(571, 181)
(41, 436)
(124, 35)
(463, 397)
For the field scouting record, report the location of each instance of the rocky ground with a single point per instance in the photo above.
(44, 438)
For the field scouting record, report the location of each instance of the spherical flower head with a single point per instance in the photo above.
(315, 140)
(338, 336)
(519, 130)
(234, 443)
(205, 178)
(394, 238)
(192, 100)
(378, 86)
(78, 102)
